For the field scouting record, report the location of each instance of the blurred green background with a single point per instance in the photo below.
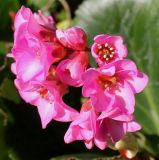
(21, 136)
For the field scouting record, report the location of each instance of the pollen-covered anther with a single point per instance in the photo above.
(105, 52)
(43, 92)
(107, 81)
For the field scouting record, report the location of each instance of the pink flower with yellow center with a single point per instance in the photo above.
(108, 48)
(47, 97)
(114, 85)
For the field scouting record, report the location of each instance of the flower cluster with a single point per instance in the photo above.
(49, 60)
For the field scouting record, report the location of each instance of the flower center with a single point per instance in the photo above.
(43, 92)
(107, 81)
(47, 36)
(105, 52)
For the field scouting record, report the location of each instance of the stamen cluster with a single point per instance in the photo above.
(105, 52)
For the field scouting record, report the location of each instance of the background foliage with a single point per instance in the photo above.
(21, 136)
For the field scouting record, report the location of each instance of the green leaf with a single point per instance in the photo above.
(3, 48)
(137, 21)
(5, 7)
(8, 91)
(3, 147)
(41, 3)
(6, 119)
(85, 156)
(13, 155)
(63, 24)
(38, 3)
(146, 142)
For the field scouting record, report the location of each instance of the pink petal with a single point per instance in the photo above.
(138, 82)
(120, 47)
(89, 144)
(100, 138)
(65, 113)
(68, 138)
(22, 17)
(89, 79)
(100, 38)
(46, 111)
(102, 101)
(125, 98)
(125, 65)
(116, 129)
(29, 97)
(116, 114)
(133, 126)
(28, 67)
(108, 71)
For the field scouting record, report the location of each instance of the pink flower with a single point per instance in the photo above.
(34, 24)
(116, 124)
(93, 128)
(32, 59)
(108, 48)
(73, 37)
(70, 70)
(114, 85)
(47, 96)
(46, 22)
(83, 127)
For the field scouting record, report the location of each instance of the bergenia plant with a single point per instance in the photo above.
(47, 61)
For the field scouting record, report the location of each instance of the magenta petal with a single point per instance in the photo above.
(68, 138)
(65, 113)
(90, 85)
(120, 47)
(86, 134)
(61, 37)
(100, 38)
(116, 114)
(46, 112)
(133, 126)
(100, 139)
(89, 144)
(108, 71)
(116, 129)
(125, 98)
(13, 68)
(138, 82)
(28, 96)
(102, 101)
(101, 144)
(28, 67)
(22, 16)
(125, 65)
(20, 22)
(47, 22)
